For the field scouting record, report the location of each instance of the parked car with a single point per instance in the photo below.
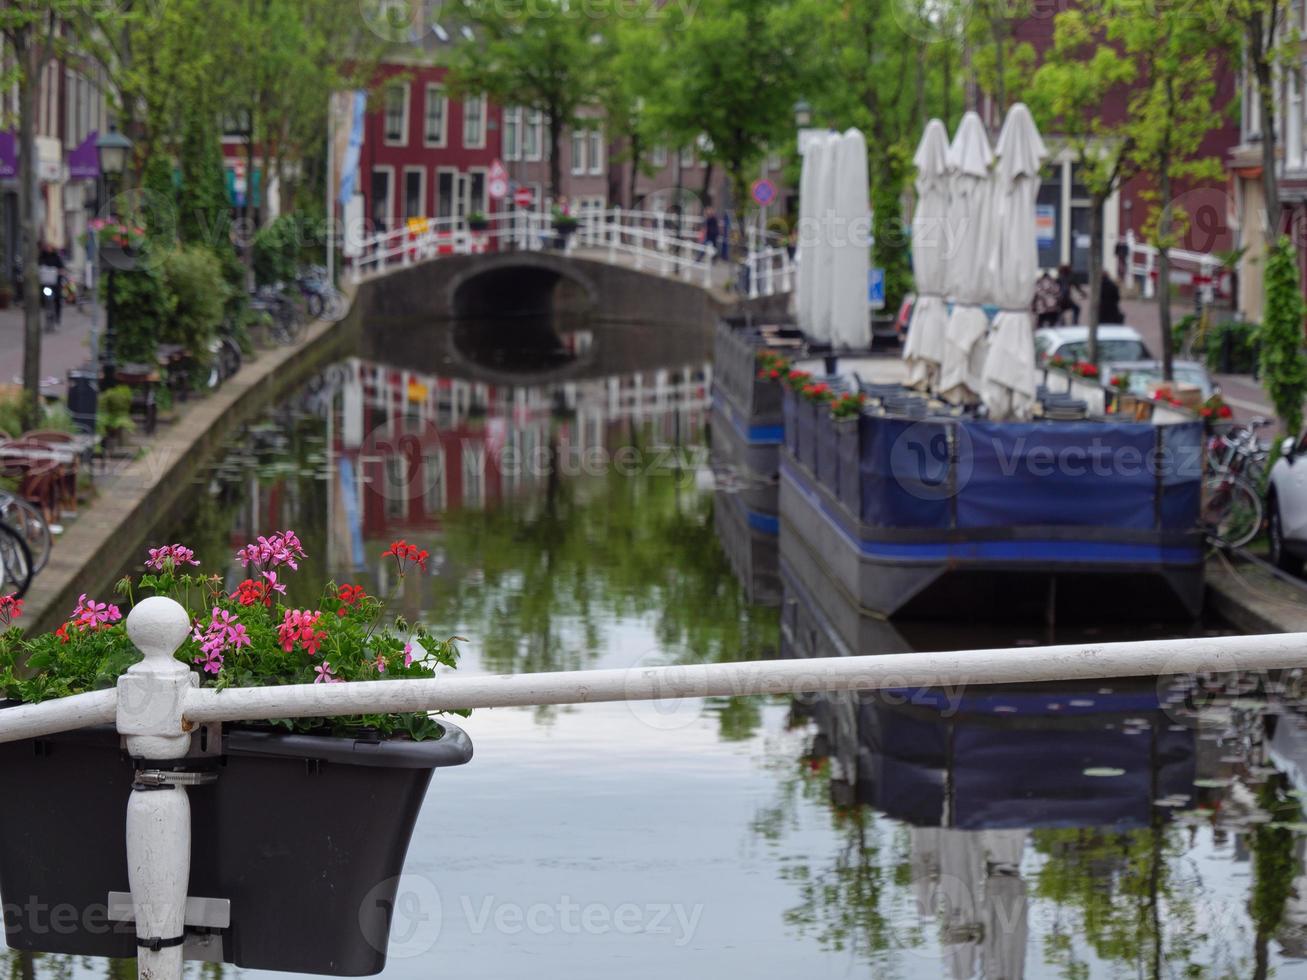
(1146, 376)
(1286, 505)
(1116, 342)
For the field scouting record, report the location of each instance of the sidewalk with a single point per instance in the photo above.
(1244, 395)
(66, 347)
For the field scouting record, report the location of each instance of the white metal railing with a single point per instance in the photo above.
(1202, 270)
(664, 243)
(157, 703)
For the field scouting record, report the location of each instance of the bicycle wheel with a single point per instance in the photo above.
(1232, 511)
(337, 306)
(18, 514)
(314, 304)
(15, 563)
(292, 325)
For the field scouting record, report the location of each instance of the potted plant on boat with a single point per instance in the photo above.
(845, 411)
(794, 381)
(814, 398)
(294, 800)
(1214, 411)
(477, 221)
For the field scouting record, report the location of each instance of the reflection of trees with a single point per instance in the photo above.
(553, 573)
(1119, 884)
(1275, 864)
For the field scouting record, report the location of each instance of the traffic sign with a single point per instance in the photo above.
(524, 197)
(497, 181)
(876, 288)
(764, 191)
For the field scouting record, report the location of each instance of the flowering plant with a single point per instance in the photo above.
(1057, 361)
(1215, 408)
(848, 405)
(772, 366)
(1121, 380)
(118, 233)
(819, 393)
(1167, 396)
(248, 636)
(1086, 369)
(797, 379)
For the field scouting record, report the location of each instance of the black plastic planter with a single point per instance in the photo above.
(305, 835)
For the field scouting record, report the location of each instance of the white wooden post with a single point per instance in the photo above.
(787, 268)
(151, 705)
(614, 230)
(1149, 287)
(752, 265)
(709, 253)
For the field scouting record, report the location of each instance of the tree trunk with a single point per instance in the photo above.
(1095, 273)
(29, 192)
(637, 151)
(555, 164)
(1270, 178)
(1164, 265)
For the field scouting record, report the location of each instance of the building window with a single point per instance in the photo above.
(513, 134)
(578, 152)
(381, 197)
(397, 115)
(596, 151)
(476, 192)
(534, 142)
(474, 122)
(659, 156)
(687, 157)
(435, 495)
(445, 193)
(436, 112)
(414, 193)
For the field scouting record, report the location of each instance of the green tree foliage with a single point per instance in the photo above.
(1283, 364)
(544, 56)
(1170, 111)
(192, 276)
(203, 211)
(1079, 74)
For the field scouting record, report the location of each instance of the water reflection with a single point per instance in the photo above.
(1102, 830)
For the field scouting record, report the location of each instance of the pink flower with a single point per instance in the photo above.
(282, 548)
(325, 676)
(300, 626)
(273, 585)
(224, 632)
(380, 664)
(170, 554)
(93, 615)
(408, 654)
(10, 609)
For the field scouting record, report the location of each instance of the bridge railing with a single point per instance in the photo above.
(157, 705)
(661, 242)
(1202, 270)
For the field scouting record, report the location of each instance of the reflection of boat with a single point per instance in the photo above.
(749, 542)
(973, 769)
(917, 512)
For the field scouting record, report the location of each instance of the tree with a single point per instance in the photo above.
(543, 56)
(1269, 42)
(1283, 364)
(1071, 87)
(733, 70)
(38, 32)
(1169, 112)
(627, 88)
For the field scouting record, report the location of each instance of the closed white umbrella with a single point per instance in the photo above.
(819, 329)
(849, 241)
(924, 350)
(968, 260)
(808, 235)
(1008, 385)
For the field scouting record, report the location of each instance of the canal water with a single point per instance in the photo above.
(1134, 829)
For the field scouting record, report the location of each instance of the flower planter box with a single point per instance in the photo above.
(304, 835)
(828, 456)
(808, 434)
(848, 485)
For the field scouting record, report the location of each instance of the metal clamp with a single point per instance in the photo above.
(166, 778)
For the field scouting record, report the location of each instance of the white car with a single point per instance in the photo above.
(1116, 342)
(1286, 506)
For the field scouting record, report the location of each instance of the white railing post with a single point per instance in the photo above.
(614, 231)
(751, 263)
(1150, 257)
(151, 707)
(709, 255)
(787, 272)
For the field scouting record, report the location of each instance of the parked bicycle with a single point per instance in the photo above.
(1232, 509)
(21, 517)
(16, 569)
(287, 320)
(322, 300)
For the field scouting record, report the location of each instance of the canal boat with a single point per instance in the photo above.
(920, 509)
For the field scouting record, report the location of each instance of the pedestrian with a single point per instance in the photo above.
(1067, 290)
(1047, 302)
(792, 243)
(1122, 258)
(1109, 301)
(51, 269)
(712, 232)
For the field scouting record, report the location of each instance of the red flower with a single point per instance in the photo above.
(10, 609)
(250, 592)
(774, 374)
(62, 633)
(1225, 412)
(406, 554)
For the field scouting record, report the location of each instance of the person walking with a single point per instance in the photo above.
(51, 270)
(1109, 301)
(1067, 290)
(1047, 304)
(712, 233)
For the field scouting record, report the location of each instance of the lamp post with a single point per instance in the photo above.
(113, 149)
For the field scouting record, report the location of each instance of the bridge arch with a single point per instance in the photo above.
(521, 283)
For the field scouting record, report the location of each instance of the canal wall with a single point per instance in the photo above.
(134, 498)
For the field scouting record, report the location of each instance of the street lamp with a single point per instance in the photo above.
(113, 149)
(802, 113)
